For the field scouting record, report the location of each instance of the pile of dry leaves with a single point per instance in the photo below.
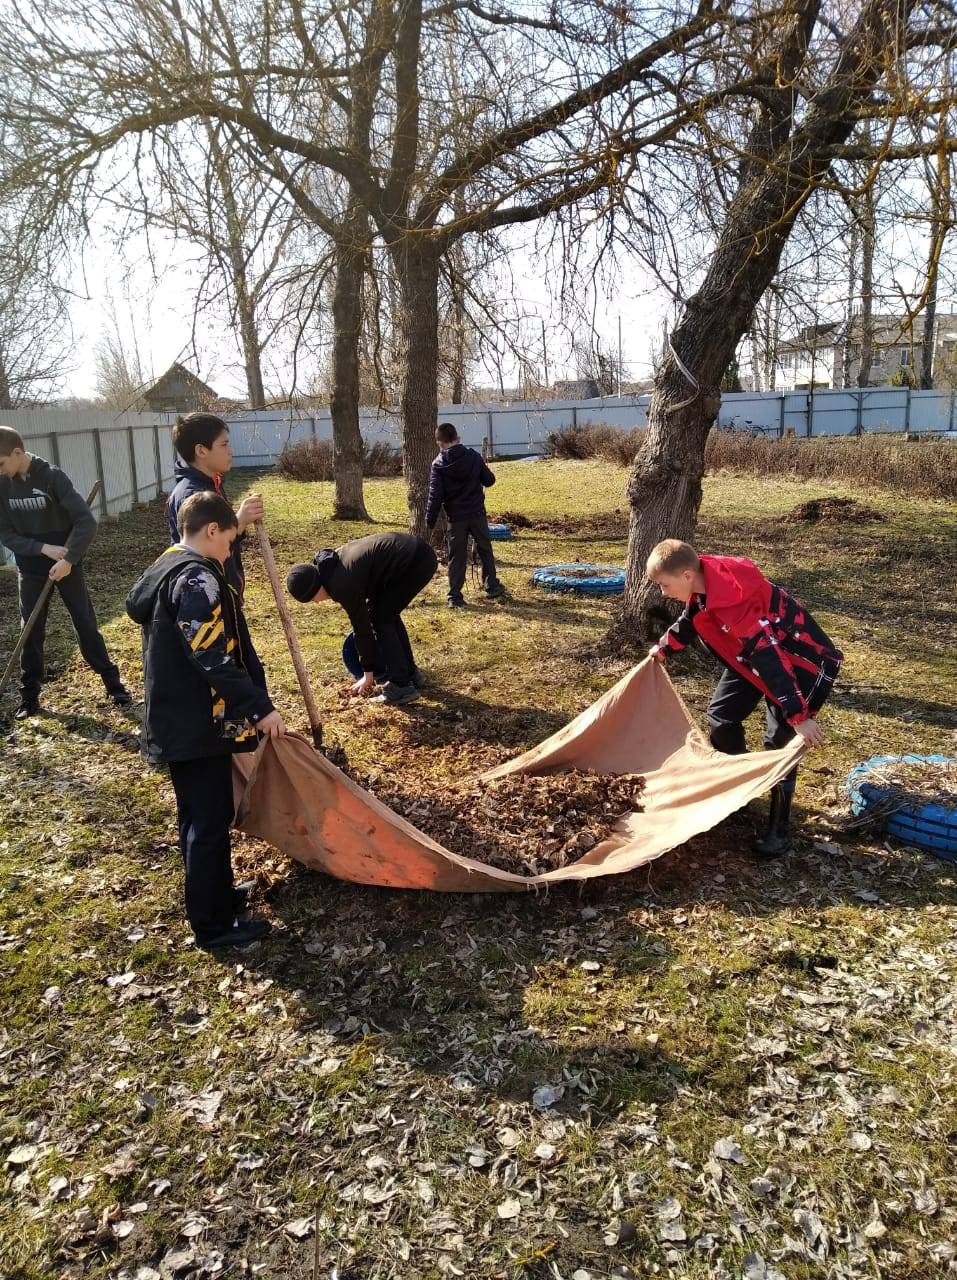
(519, 823)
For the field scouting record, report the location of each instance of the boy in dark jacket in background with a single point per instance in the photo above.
(205, 455)
(48, 527)
(458, 482)
(201, 706)
(770, 647)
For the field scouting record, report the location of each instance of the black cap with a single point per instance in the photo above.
(302, 582)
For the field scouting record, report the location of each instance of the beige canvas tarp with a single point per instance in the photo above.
(294, 798)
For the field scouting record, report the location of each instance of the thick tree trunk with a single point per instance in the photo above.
(347, 447)
(417, 263)
(6, 400)
(664, 491)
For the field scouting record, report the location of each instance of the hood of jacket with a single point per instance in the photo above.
(459, 463)
(141, 602)
(730, 580)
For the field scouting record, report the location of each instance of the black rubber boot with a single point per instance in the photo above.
(776, 841)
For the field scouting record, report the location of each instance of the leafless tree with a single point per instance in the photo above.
(808, 77)
(122, 371)
(33, 329)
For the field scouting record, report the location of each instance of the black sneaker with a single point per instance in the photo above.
(241, 895)
(242, 933)
(496, 592)
(456, 602)
(396, 695)
(120, 695)
(419, 678)
(29, 707)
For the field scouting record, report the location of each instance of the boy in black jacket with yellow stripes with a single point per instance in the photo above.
(201, 706)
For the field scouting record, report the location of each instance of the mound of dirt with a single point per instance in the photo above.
(514, 518)
(523, 824)
(835, 511)
(601, 526)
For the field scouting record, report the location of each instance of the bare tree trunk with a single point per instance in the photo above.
(930, 329)
(939, 183)
(6, 400)
(245, 303)
(249, 335)
(868, 236)
(458, 336)
(664, 490)
(417, 262)
(347, 447)
(847, 351)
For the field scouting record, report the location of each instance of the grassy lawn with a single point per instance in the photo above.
(752, 1067)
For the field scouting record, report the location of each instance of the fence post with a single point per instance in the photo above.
(491, 433)
(809, 411)
(55, 444)
(950, 427)
(574, 416)
(907, 413)
(157, 460)
(312, 425)
(859, 424)
(781, 415)
(134, 481)
(98, 453)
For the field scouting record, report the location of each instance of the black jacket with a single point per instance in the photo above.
(458, 481)
(365, 570)
(43, 507)
(190, 480)
(200, 700)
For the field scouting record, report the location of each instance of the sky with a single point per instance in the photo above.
(118, 289)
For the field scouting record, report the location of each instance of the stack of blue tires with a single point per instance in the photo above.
(929, 826)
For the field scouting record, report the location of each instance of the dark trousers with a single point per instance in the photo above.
(458, 542)
(76, 598)
(204, 808)
(735, 698)
(385, 611)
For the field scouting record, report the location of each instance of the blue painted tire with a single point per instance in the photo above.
(602, 580)
(500, 532)
(929, 826)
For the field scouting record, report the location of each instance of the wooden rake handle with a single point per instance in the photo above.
(292, 640)
(35, 613)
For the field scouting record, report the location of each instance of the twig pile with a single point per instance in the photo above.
(907, 784)
(523, 824)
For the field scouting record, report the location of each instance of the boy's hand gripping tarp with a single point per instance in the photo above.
(301, 803)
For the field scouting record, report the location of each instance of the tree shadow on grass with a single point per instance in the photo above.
(459, 987)
(891, 706)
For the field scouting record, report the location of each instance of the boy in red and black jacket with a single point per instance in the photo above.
(770, 647)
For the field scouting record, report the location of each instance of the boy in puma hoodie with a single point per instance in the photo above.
(49, 528)
(202, 705)
(770, 647)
